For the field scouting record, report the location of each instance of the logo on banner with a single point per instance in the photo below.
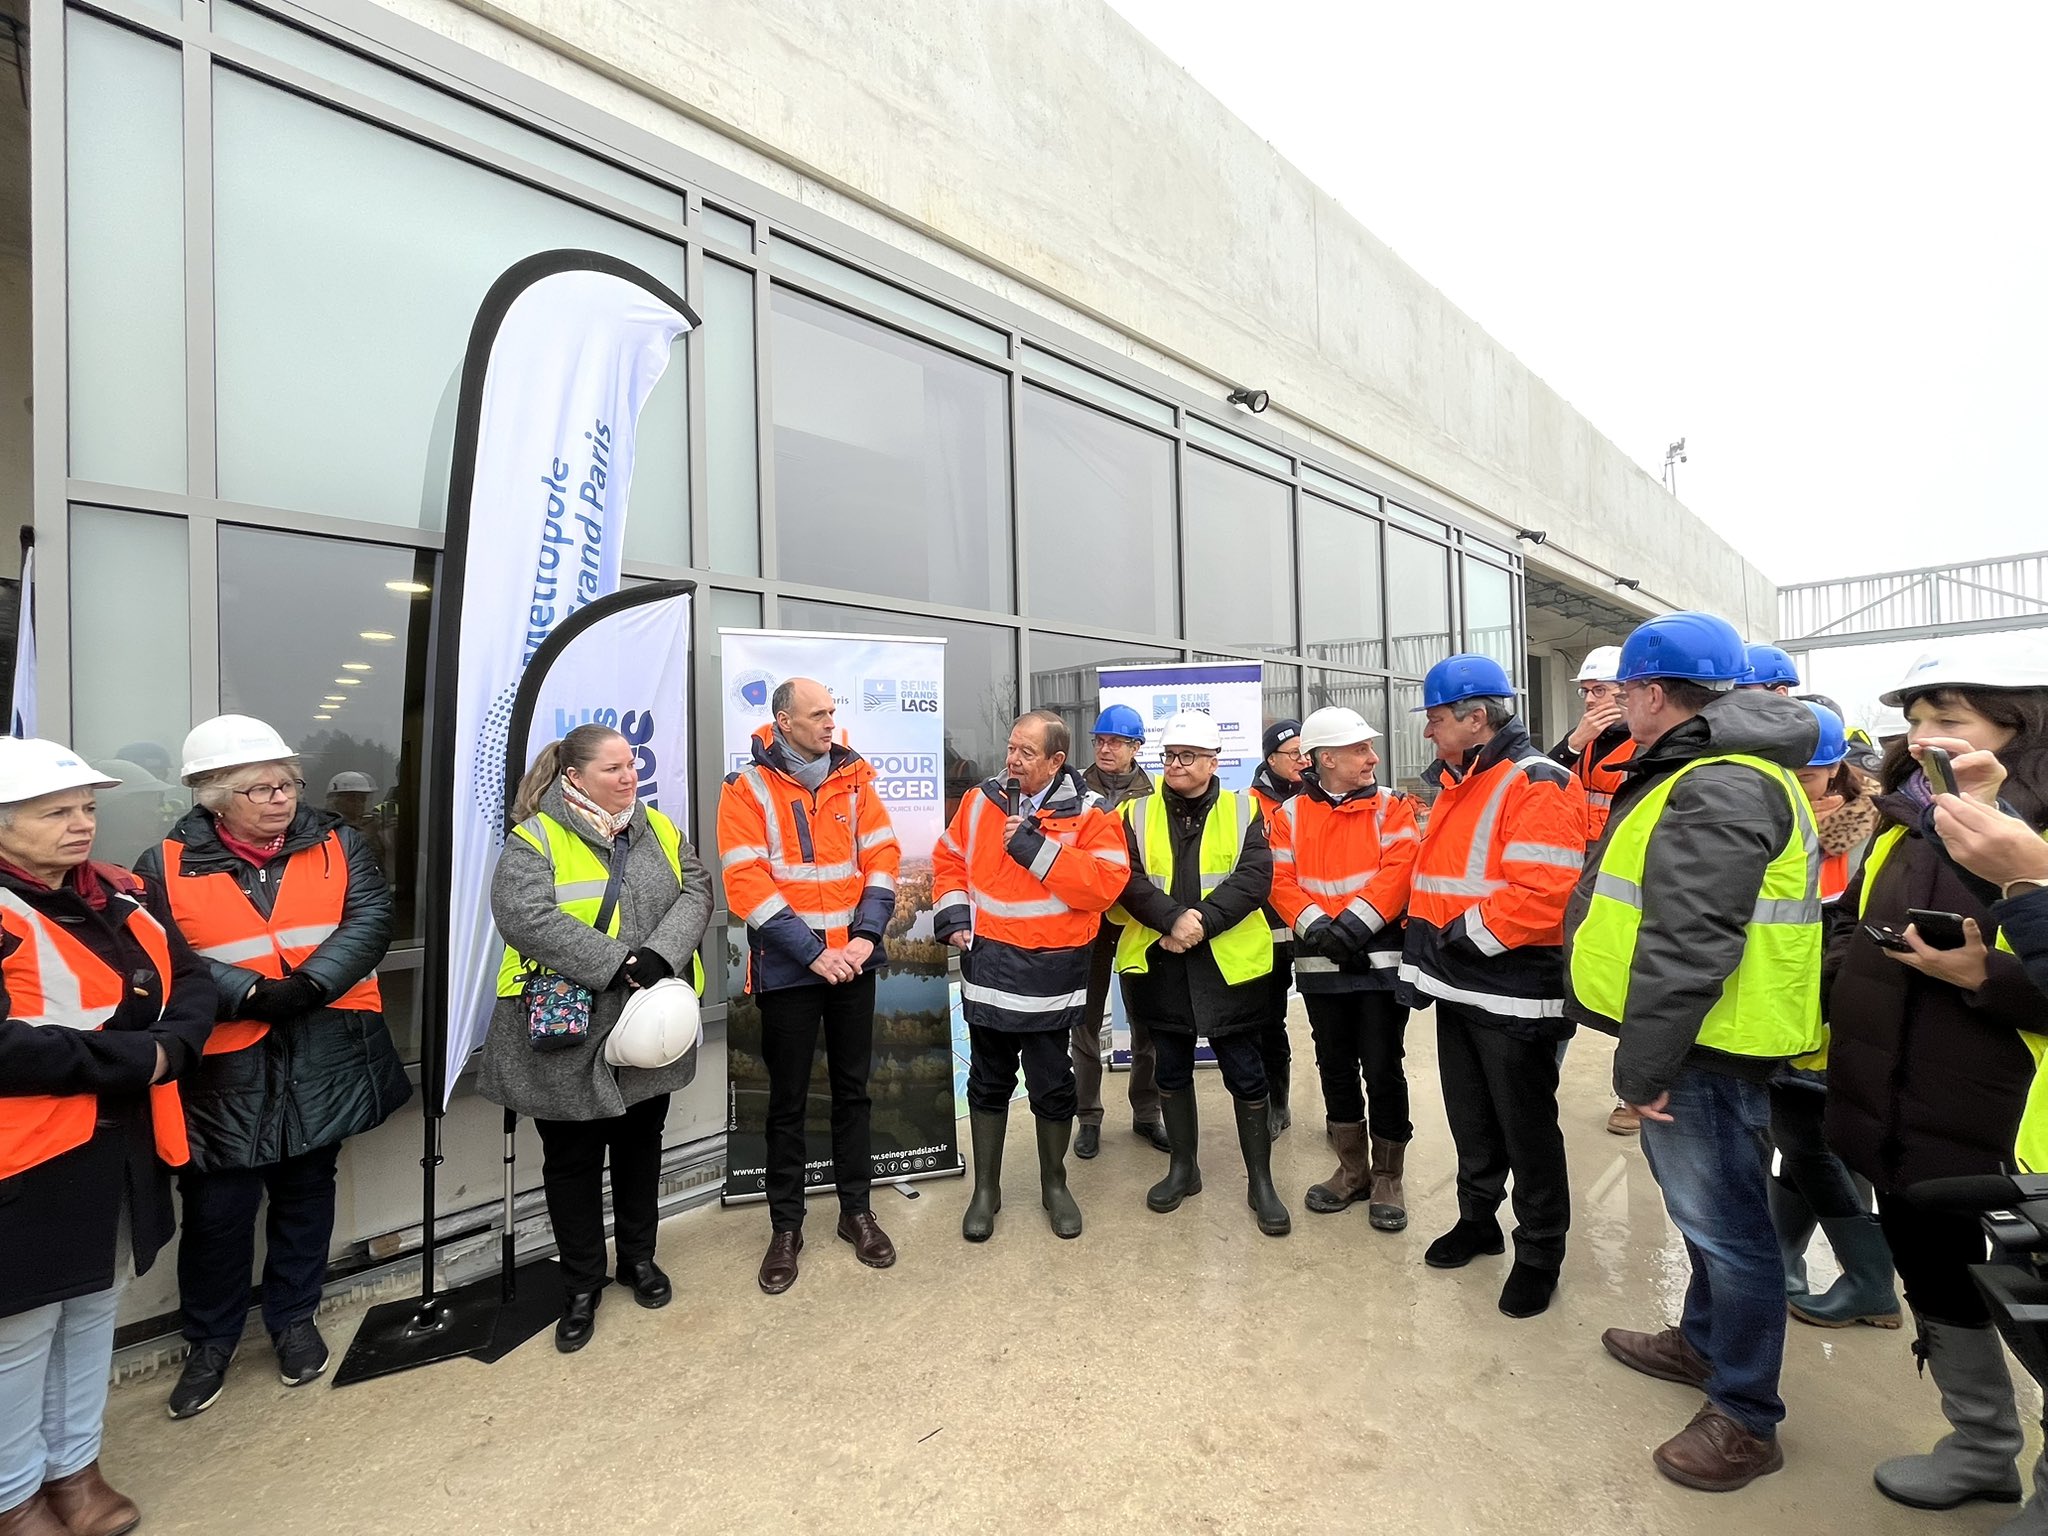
(752, 690)
(638, 728)
(877, 693)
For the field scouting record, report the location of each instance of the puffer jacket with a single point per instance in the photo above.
(314, 1080)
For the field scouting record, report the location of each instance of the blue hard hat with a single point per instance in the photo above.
(1465, 677)
(1769, 667)
(1695, 646)
(1834, 736)
(1120, 720)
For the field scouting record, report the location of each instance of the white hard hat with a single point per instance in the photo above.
(31, 766)
(1974, 661)
(1190, 728)
(657, 1028)
(1602, 665)
(229, 741)
(349, 782)
(1335, 725)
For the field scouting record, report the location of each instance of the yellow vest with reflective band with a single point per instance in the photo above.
(1242, 952)
(2030, 1147)
(1770, 1006)
(1880, 850)
(580, 879)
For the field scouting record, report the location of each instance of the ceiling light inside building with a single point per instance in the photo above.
(355, 666)
(377, 636)
(409, 588)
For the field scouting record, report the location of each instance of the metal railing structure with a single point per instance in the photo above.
(1975, 596)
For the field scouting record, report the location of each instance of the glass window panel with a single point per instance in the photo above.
(883, 295)
(1065, 678)
(1279, 686)
(131, 683)
(732, 466)
(345, 244)
(1427, 525)
(1074, 376)
(401, 989)
(1368, 695)
(981, 681)
(1340, 585)
(891, 461)
(1490, 614)
(124, 140)
(342, 675)
(163, 7)
(1089, 481)
(288, 45)
(1418, 602)
(1409, 753)
(1243, 447)
(1343, 490)
(1239, 548)
(720, 225)
(728, 610)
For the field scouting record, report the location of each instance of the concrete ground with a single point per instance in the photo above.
(1162, 1373)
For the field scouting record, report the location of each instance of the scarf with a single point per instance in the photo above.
(1847, 825)
(90, 882)
(809, 772)
(608, 825)
(258, 854)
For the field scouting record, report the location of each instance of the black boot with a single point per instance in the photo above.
(578, 1321)
(987, 1132)
(1183, 1135)
(1277, 1116)
(1053, 1193)
(1255, 1140)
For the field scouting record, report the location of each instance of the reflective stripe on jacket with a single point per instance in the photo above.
(1244, 951)
(1344, 865)
(1602, 780)
(1769, 1005)
(219, 921)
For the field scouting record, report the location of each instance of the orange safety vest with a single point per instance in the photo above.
(55, 982)
(1603, 781)
(218, 920)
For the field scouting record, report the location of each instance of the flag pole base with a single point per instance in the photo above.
(400, 1335)
(534, 1305)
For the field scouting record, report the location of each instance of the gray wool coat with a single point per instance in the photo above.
(577, 1083)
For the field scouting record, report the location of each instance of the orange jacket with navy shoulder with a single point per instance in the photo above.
(1033, 903)
(87, 997)
(1341, 871)
(1503, 851)
(805, 871)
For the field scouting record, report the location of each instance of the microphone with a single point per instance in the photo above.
(1015, 791)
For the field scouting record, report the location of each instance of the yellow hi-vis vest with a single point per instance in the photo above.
(580, 879)
(1241, 953)
(1770, 1006)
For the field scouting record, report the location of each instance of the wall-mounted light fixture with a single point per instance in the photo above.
(1627, 581)
(1533, 535)
(1253, 400)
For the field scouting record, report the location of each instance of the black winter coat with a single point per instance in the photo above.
(59, 1219)
(1925, 1081)
(319, 1078)
(1186, 993)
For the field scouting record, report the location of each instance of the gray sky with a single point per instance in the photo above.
(1810, 239)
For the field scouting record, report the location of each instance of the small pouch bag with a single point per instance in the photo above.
(557, 1008)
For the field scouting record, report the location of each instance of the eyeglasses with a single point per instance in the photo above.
(263, 794)
(1183, 759)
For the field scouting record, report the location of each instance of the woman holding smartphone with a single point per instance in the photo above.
(1927, 1073)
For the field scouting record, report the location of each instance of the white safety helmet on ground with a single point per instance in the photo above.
(1974, 661)
(1602, 665)
(1335, 725)
(229, 741)
(31, 766)
(348, 782)
(1190, 728)
(659, 1026)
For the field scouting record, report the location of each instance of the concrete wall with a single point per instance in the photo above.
(1050, 141)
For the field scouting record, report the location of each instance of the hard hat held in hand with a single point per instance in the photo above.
(1192, 729)
(31, 766)
(1602, 665)
(1335, 726)
(660, 1025)
(1973, 661)
(230, 741)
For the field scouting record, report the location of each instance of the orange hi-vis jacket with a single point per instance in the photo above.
(1341, 871)
(805, 872)
(1602, 777)
(1033, 904)
(1505, 845)
(54, 981)
(222, 924)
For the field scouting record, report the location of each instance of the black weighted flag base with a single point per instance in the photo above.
(398, 1335)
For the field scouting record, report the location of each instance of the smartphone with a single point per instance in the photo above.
(1941, 778)
(1886, 938)
(1938, 930)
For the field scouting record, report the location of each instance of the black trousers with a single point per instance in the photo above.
(1239, 1055)
(791, 1020)
(572, 1174)
(1933, 1252)
(992, 1061)
(1500, 1093)
(1276, 1052)
(217, 1244)
(1361, 1038)
(1830, 1190)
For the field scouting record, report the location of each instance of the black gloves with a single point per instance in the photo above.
(1331, 941)
(643, 968)
(279, 1002)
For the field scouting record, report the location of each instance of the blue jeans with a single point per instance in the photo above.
(217, 1245)
(1712, 1162)
(54, 1363)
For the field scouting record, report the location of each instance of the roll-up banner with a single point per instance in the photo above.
(22, 718)
(890, 694)
(1232, 693)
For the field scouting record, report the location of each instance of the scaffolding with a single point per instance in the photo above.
(1976, 596)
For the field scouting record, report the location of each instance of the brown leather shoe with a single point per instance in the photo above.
(1665, 1355)
(871, 1244)
(1622, 1120)
(1717, 1455)
(778, 1265)
(35, 1518)
(88, 1507)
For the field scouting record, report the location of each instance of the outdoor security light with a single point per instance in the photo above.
(1253, 400)
(1627, 581)
(1533, 535)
